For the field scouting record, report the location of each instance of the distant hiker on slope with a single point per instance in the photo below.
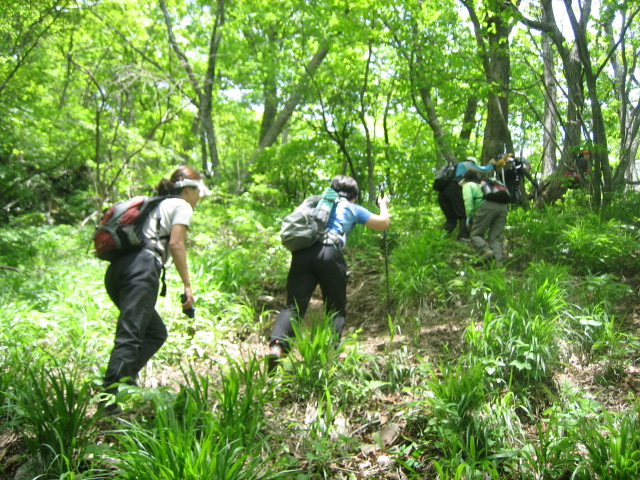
(450, 198)
(483, 214)
(322, 263)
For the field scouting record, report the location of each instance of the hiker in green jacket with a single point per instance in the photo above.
(483, 215)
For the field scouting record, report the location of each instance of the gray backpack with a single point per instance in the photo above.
(307, 224)
(445, 176)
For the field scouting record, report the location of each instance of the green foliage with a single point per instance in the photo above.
(552, 455)
(421, 269)
(240, 400)
(28, 248)
(312, 371)
(532, 236)
(525, 325)
(596, 245)
(465, 428)
(51, 405)
(180, 448)
(612, 445)
(205, 431)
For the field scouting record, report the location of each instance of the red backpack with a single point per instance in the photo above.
(120, 230)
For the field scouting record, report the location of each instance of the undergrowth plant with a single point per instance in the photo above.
(559, 298)
(595, 244)
(522, 323)
(531, 237)
(465, 428)
(612, 445)
(240, 400)
(311, 369)
(551, 454)
(51, 405)
(206, 430)
(421, 268)
(188, 446)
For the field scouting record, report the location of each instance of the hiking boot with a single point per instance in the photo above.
(110, 409)
(486, 255)
(485, 258)
(274, 357)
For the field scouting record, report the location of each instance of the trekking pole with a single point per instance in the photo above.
(386, 255)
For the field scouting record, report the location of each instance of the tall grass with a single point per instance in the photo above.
(612, 445)
(311, 368)
(520, 335)
(556, 302)
(51, 405)
(596, 245)
(188, 446)
(422, 265)
(205, 431)
(467, 430)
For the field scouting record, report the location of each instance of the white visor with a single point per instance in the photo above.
(199, 184)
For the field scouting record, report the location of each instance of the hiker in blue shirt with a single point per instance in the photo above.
(323, 263)
(450, 198)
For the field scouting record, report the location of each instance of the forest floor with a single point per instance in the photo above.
(438, 336)
(380, 425)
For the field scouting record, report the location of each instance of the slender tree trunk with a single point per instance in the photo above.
(628, 115)
(270, 93)
(290, 105)
(469, 120)
(432, 119)
(371, 188)
(550, 108)
(204, 95)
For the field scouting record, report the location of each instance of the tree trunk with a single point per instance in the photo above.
(270, 93)
(438, 133)
(290, 105)
(371, 188)
(497, 137)
(628, 115)
(493, 49)
(469, 120)
(204, 96)
(550, 109)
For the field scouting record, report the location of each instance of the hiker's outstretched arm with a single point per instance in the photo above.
(381, 221)
(178, 250)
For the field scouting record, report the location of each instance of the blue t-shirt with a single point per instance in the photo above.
(346, 215)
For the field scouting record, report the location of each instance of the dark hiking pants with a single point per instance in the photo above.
(132, 283)
(321, 265)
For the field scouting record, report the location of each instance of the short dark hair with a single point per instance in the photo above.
(472, 176)
(346, 187)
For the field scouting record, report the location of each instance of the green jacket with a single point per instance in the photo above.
(473, 198)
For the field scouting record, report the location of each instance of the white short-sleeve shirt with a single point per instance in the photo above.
(172, 211)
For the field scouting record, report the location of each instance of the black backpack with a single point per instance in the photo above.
(495, 190)
(445, 176)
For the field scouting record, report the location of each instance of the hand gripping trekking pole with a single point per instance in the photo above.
(386, 254)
